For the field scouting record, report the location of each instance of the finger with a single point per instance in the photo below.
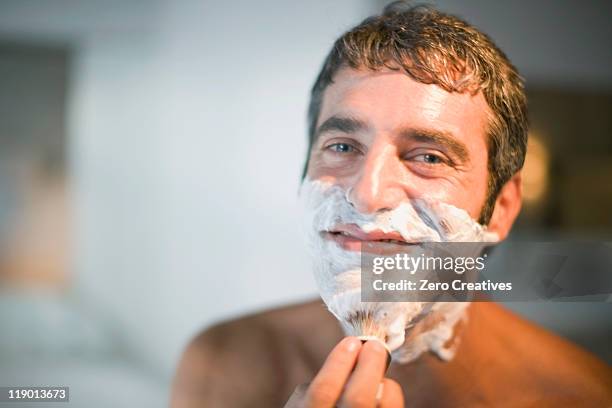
(363, 384)
(390, 394)
(326, 387)
(297, 398)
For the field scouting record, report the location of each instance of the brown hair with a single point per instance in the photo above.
(438, 48)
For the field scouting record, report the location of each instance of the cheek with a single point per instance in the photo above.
(341, 172)
(468, 189)
(471, 200)
(467, 192)
(317, 171)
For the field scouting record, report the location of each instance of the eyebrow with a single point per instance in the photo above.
(341, 124)
(447, 140)
(440, 138)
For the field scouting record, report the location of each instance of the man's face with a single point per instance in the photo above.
(395, 163)
(386, 138)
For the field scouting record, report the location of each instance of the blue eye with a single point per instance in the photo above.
(429, 158)
(432, 159)
(342, 148)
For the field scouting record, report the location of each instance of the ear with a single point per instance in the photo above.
(507, 207)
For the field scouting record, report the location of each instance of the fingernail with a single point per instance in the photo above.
(353, 343)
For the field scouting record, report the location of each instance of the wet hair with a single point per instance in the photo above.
(433, 47)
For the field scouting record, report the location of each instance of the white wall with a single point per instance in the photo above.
(188, 156)
(187, 123)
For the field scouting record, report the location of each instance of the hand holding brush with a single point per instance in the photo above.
(352, 376)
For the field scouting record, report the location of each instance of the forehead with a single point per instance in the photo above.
(388, 100)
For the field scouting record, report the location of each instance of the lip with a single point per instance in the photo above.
(352, 238)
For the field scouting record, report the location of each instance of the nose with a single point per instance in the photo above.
(378, 186)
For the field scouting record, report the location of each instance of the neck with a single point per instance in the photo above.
(435, 381)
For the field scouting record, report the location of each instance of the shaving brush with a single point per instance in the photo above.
(362, 324)
(380, 321)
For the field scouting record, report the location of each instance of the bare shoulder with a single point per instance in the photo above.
(548, 360)
(256, 359)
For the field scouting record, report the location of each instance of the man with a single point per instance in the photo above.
(412, 104)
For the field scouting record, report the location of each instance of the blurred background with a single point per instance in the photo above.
(151, 153)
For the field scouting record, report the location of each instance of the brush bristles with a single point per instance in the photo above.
(363, 324)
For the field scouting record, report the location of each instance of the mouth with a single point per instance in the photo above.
(352, 238)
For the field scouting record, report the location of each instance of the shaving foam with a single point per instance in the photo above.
(338, 272)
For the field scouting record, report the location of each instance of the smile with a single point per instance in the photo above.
(352, 238)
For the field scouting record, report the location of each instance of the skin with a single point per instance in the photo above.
(386, 138)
